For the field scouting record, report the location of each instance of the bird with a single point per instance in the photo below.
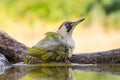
(56, 46)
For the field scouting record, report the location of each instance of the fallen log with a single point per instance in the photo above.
(15, 52)
(110, 56)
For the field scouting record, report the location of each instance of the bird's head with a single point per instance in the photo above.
(67, 27)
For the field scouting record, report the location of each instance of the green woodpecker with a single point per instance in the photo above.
(56, 46)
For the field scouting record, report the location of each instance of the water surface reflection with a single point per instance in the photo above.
(56, 72)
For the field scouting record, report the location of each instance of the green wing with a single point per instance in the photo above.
(53, 52)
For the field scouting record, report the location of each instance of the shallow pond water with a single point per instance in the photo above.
(62, 72)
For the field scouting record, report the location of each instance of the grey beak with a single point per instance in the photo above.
(78, 21)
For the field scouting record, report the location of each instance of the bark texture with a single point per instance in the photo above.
(16, 52)
(110, 56)
(13, 50)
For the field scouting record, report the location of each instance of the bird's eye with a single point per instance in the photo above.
(69, 26)
(66, 25)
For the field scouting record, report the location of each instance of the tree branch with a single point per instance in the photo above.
(12, 49)
(110, 56)
(16, 52)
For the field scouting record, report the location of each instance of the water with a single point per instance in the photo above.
(62, 72)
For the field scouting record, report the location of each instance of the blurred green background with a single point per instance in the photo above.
(28, 20)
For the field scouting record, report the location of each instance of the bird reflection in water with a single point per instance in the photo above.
(51, 73)
(38, 73)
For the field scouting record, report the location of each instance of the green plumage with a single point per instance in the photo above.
(56, 46)
(53, 52)
(51, 34)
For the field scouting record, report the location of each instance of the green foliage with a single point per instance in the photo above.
(51, 9)
(59, 9)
